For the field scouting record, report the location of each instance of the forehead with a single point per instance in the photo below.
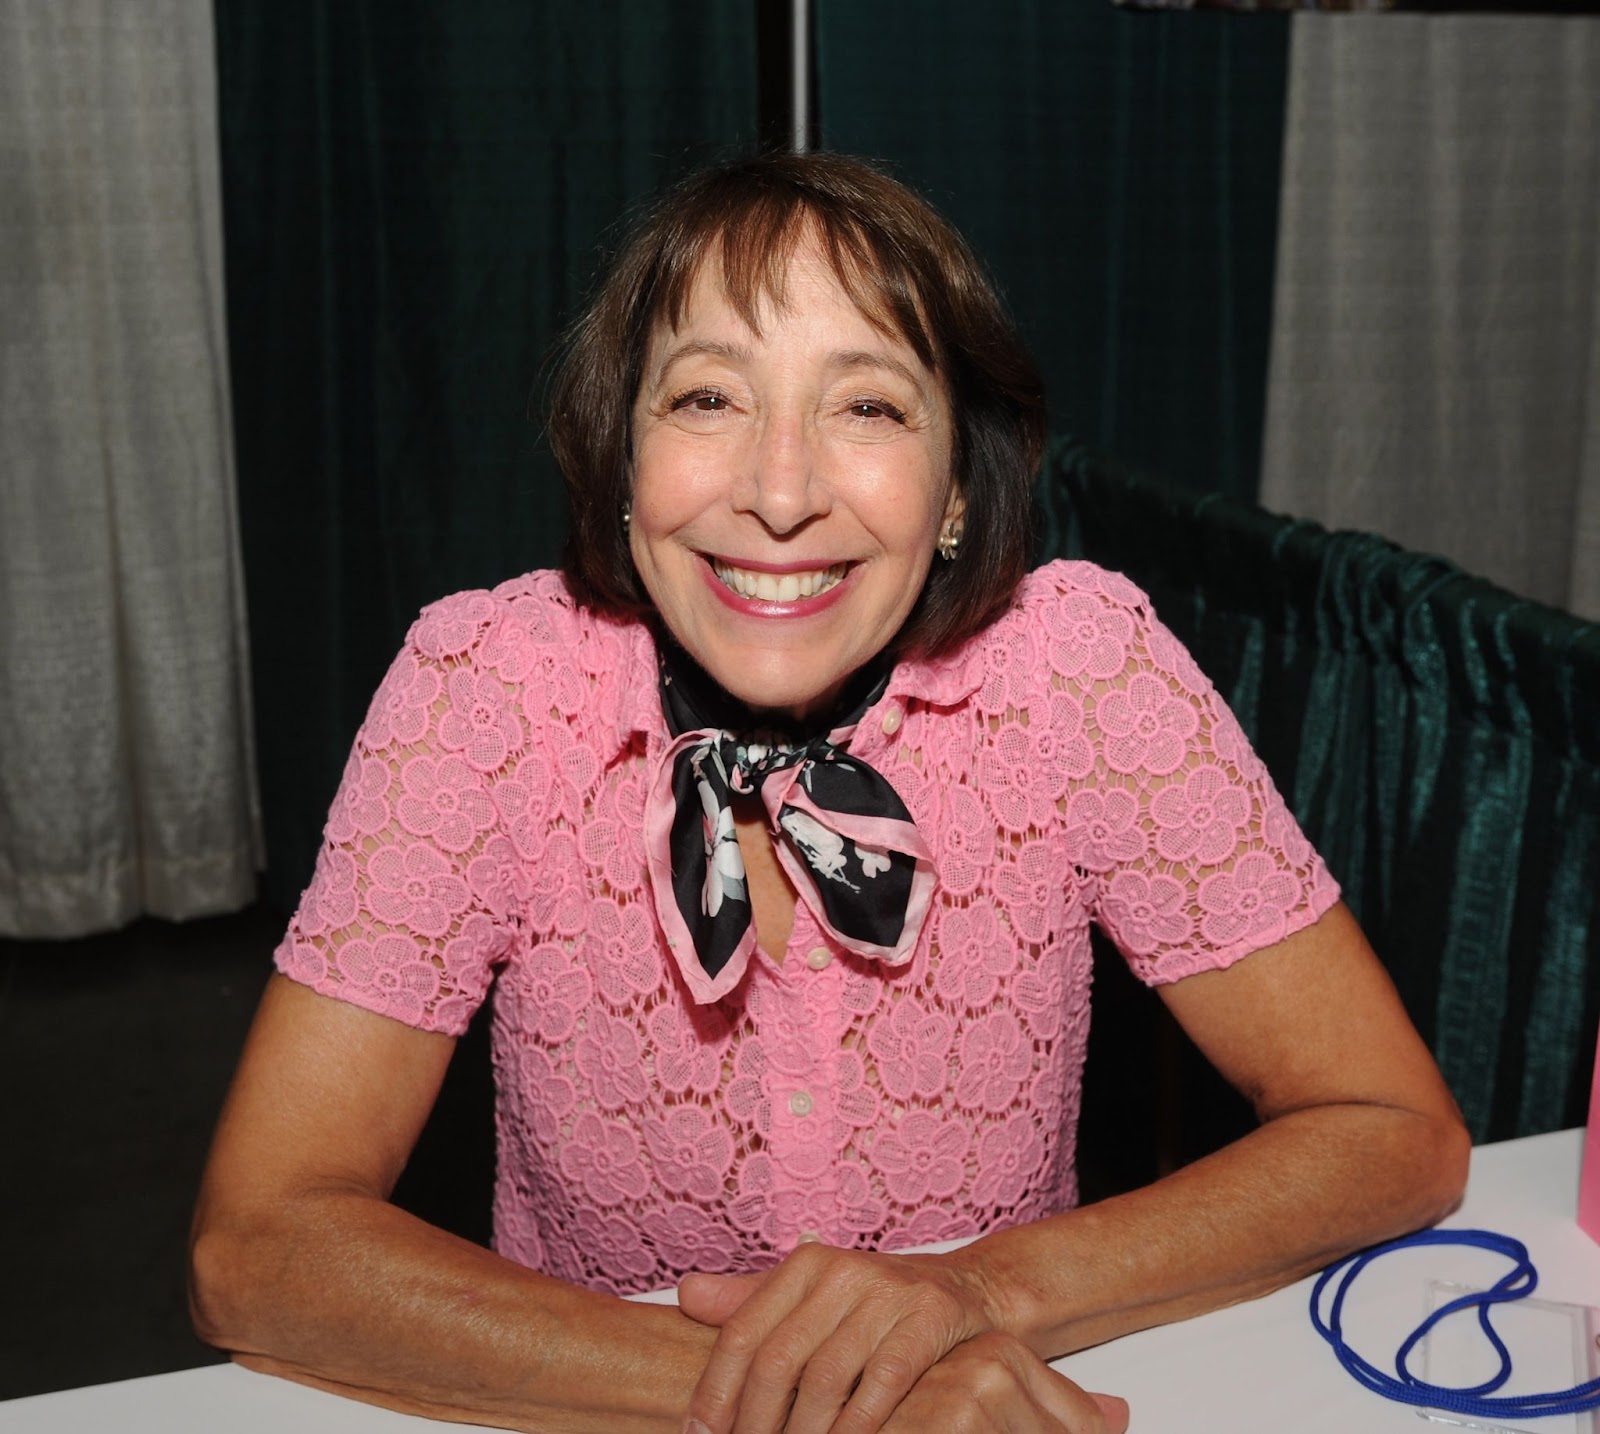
(809, 290)
(763, 265)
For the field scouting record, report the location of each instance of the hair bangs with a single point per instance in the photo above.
(753, 242)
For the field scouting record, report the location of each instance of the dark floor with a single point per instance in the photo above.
(115, 1053)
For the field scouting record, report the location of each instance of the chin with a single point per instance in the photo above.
(782, 699)
(790, 692)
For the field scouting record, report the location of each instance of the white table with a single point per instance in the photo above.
(1260, 1368)
(1257, 1368)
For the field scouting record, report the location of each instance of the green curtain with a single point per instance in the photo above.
(414, 195)
(1439, 741)
(1119, 175)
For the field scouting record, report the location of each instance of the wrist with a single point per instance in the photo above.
(985, 1284)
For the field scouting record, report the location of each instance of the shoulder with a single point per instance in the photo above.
(1062, 584)
(1061, 596)
(1095, 625)
(534, 609)
(526, 637)
(1070, 621)
(524, 621)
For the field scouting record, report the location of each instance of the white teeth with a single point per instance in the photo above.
(770, 587)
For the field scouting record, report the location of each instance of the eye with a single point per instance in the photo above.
(700, 400)
(870, 408)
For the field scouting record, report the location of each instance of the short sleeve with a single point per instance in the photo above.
(410, 907)
(1191, 858)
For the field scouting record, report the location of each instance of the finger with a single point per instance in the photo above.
(890, 1373)
(724, 1399)
(830, 1374)
(712, 1299)
(955, 1412)
(946, 1401)
(1074, 1408)
(775, 1369)
(995, 1383)
(981, 1389)
(1115, 1410)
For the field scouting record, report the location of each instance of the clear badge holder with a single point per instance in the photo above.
(1553, 1346)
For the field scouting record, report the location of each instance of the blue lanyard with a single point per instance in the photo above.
(1478, 1399)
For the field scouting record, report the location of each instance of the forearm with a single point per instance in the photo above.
(349, 1293)
(1262, 1212)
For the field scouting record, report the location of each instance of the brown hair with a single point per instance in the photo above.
(909, 272)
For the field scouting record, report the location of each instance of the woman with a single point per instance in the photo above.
(777, 821)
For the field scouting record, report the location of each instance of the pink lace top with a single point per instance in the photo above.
(1070, 763)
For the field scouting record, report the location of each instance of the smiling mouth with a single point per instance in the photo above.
(778, 587)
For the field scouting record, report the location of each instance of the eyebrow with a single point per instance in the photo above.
(842, 359)
(868, 358)
(690, 348)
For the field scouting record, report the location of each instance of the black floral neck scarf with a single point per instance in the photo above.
(841, 832)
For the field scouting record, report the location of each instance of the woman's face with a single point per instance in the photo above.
(788, 487)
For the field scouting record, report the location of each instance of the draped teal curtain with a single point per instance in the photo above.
(1439, 741)
(1118, 173)
(415, 195)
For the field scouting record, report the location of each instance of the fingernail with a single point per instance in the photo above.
(694, 1426)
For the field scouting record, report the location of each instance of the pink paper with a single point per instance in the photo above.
(1589, 1182)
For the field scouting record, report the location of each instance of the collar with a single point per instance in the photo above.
(939, 682)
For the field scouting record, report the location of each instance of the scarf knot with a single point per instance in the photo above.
(840, 832)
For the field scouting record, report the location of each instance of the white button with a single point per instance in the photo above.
(817, 958)
(800, 1103)
(891, 721)
(808, 1237)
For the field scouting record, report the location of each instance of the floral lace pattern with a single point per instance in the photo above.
(1068, 764)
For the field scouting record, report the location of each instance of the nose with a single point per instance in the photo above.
(784, 486)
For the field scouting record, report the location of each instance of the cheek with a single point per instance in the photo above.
(647, 555)
(672, 482)
(663, 508)
(913, 512)
(634, 547)
(652, 506)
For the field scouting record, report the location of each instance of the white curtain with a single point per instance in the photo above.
(126, 769)
(1435, 372)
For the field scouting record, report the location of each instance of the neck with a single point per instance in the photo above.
(712, 705)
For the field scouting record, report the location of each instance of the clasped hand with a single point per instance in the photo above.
(848, 1342)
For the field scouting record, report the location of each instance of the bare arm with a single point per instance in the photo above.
(1360, 1140)
(301, 1267)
